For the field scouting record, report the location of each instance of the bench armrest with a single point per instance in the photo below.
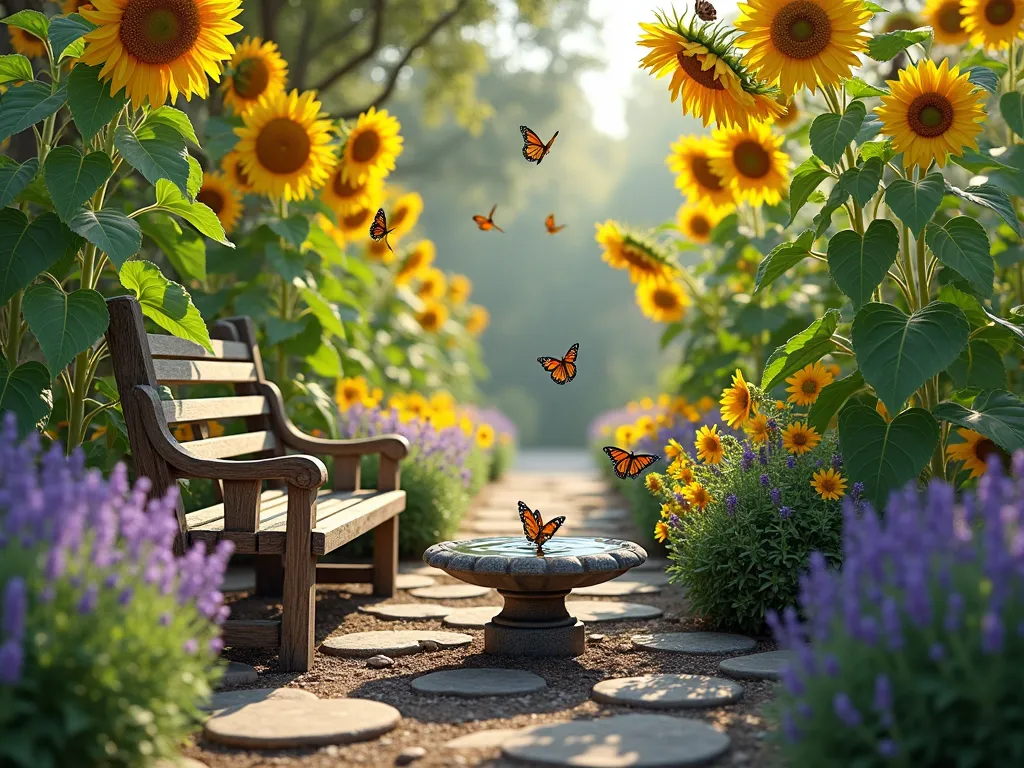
(306, 472)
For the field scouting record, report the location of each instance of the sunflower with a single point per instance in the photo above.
(900, 20)
(673, 449)
(74, 6)
(331, 229)
(644, 259)
(377, 250)
(757, 428)
(372, 146)
(736, 401)
(993, 23)
(626, 435)
(346, 196)
(156, 48)
(663, 301)
(348, 392)
(696, 221)
(806, 384)
(405, 213)
(26, 43)
(432, 284)
(690, 160)
(660, 531)
(791, 113)
(433, 317)
(697, 495)
(802, 43)
(485, 436)
(356, 225)
(706, 403)
(478, 320)
(459, 289)
(750, 162)
(219, 196)
(798, 438)
(946, 19)
(931, 112)
(709, 445)
(973, 452)
(654, 483)
(283, 145)
(232, 166)
(707, 77)
(256, 69)
(829, 484)
(419, 258)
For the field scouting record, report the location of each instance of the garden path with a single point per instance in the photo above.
(437, 729)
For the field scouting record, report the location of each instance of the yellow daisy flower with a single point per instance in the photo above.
(993, 24)
(284, 145)
(433, 317)
(798, 438)
(233, 168)
(696, 221)
(690, 161)
(697, 495)
(736, 402)
(485, 436)
(256, 69)
(217, 194)
(829, 484)
(757, 428)
(26, 43)
(432, 284)
(372, 146)
(459, 289)
(478, 320)
(160, 48)
(973, 452)
(660, 531)
(654, 483)
(346, 196)
(751, 162)
(645, 426)
(932, 112)
(806, 384)
(626, 435)
(646, 403)
(644, 259)
(663, 301)
(680, 470)
(673, 449)
(709, 445)
(419, 259)
(946, 18)
(348, 392)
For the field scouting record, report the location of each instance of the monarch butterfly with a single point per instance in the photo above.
(534, 149)
(535, 529)
(562, 370)
(487, 222)
(549, 222)
(379, 228)
(629, 464)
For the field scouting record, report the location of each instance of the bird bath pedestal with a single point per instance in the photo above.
(534, 620)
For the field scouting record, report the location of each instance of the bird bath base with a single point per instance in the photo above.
(534, 620)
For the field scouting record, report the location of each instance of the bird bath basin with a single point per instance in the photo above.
(534, 620)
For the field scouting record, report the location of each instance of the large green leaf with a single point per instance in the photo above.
(184, 248)
(807, 347)
(832, 398)
(33, 22)
(983, 77)
(885, 456)
(806, 178)
(157, 152)
(962, 244)
(174, 119)
(836, 199)
(859, 89)
(200, 216)
(862, 181)
(897, 353)
(1011, 107)
(64, 324)
(279, 330)
(294, 230)
(111, 231)
(858, 264)
(991, 197)
(25, 105)
(980, 366)
(27, 249)
(14, 68)
(831, 134)
(25, 392)
(164, 302)
(888, 45)
(997, 414)
(915, 202)
(89, 98)
(325, 361)
(325, 313)
(782, 258)
(14, 178)
(66, 34)
(72, 179)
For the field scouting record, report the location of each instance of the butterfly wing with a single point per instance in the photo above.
(570, 356)
(560, 373)
(531, 522)
(549, 222)
(620, 460)
(639, 462)
(483, 222)
(379, 227)
(549, 530)
(533, 147)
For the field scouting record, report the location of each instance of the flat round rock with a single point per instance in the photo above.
(407, 611)
(491, 739)
(362, 645)
(474, 683)
(668, 691)
(601, 610)
(450, 592)
(238, 674)
(181, 762)
(471, 618)
(757, 666)
(243, 697)
(618, 588)
(635, 740)
(654, 578)
(413, 581)
(701, 643)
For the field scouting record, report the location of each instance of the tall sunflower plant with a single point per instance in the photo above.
(905, 194)
(104, 201)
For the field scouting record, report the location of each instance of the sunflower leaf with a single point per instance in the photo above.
(859, 89)
(72, 179)
(962, 245)
(888, 45)
(915, 202)
(996, 414)
(14, 178)
(14, 68)
(29, 248)
(979, 366)
(92, 106)
(807, 347)
(806, 178)
(184, 248)
(782, 258)
(831, 134)
(33, 22)
(65, 32)
(294, 230)
(862, 181)
(983, 77)
(164, 302)
(991, 197)
(858, 264)
(25, 105)
(174, 119)
(157, 152)
(25, 392)
(64, 324)
(200, 216)
(837, 197)
(832, 398)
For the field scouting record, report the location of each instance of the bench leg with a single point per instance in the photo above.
(385, 557)
(298, 619)
(269, 576)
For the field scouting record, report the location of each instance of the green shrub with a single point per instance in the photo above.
(502, 457)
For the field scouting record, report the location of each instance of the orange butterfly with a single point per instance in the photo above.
(549, 222)
(534, 149)
(629, 464)
(379, 228)
(487, 222)
(536, 531)
(562, 371)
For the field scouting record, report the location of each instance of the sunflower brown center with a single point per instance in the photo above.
(354, 220)
(691, 65)
(827, 485)
(242, 175)
(801, 30)
(282, 146)
(398, 216)
(799, 438)
(898, 21)
(949, 17)
(664, 299)
(930, 114)
(985, 448)
(751, 159)
(707, 178)
(809, 387)
(365, 147)
(159, 31)
(251, 78)
(700, 226)
(999, 12)
(344, 188)
(212, 199)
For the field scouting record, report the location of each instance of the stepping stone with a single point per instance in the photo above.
(413, 581)
(472, 618)
(243, 698)
(654, 578)
(450, 592)
(361, 645)
(418, 569)
(294, 723)
(700, 643)
(668, 691)
(617, 588)
(599, 610)
(636, 740)
(653, 564)
(474, 683)
(491, 739)
(407, 611)
(757, 666)
(238, 674)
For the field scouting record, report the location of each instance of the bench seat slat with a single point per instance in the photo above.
(232, 445)
(207, 408)
(202, 371)
(161, 345)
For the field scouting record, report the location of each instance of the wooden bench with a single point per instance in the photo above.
(288, 526)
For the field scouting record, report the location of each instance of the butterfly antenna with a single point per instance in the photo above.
(386, 240)
(498, 228)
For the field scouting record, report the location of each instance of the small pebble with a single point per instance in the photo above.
(410, 755)
(596, 638)
(740, 758)
(332, 750)
(429, 645)
(379, 662)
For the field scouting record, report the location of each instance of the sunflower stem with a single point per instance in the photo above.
(923, 291)
(908, 268)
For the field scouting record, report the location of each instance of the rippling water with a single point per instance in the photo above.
(559, 546)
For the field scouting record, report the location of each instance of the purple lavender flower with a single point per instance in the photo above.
(847, 713)
(747, 460)
(837, 461)
(791, 461)
(991, 633)
(87, 603)
(14, 607)
(776, 494)
(883, 702)
(11, 659)
(936, 652)
(730, 504)
(762, 456)
(887, 748)
(857, 491)
(785, 512)
(765, 481)
(191, 645)
(673, 520)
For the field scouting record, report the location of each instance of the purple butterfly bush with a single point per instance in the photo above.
(914, 648)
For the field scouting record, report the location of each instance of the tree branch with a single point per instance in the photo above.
(392, 80)
(376, 36)
(268, 18)
(305, 36)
